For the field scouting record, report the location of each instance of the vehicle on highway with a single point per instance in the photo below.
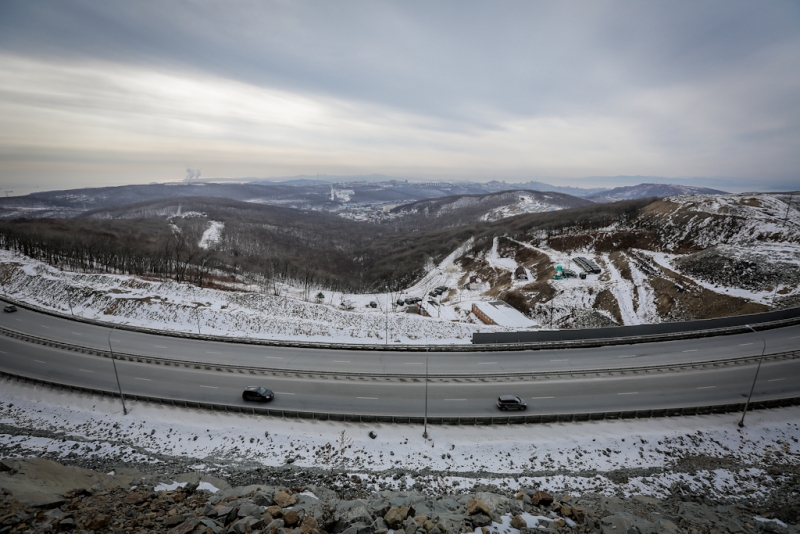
(510, 402)
(257, 393)
(10, 308)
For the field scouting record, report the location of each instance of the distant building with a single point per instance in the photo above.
(436, 310)
(475, 282)
(520, 273)
(500, 313)
(587, 265)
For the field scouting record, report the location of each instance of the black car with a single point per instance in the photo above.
(10, 308)
(258, 394)
(510, 402)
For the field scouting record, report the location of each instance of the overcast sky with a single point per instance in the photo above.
(106, 93)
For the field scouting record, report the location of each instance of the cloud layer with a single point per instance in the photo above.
(110, 92)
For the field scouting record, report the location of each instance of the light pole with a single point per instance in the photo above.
(114, 362)
(763, 350)
(425, 433)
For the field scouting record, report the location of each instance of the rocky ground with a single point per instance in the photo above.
(44, 496)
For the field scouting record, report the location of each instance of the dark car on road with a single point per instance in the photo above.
(258, 394)
(510, 402)
(10, 308)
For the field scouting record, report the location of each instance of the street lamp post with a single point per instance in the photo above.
(763, 350)
(425, 433)
(114, 362)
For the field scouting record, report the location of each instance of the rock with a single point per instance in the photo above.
(579, 514)
(429, 525)
(291, 518)
(275, 511)
(185, 527)
(665, 526)
(559, 522)
(40, 499)
(396, 515)
(284, 500)
(101, 520)
(274, 526)
(372, 434)
(480, 519)
(420, 519)
(136, 497)
(309, 525)
(474, 506)
(349, 512)
(615, 524)
(210, 524)
(262, 499)
(542, 498)
(173, 520)
(250, 509)
(517, 522)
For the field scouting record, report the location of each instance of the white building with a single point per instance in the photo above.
(500, 313)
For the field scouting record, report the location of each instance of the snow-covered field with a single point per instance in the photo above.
(557, 456)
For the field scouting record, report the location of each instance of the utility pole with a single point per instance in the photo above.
(788, 205)
(114, 362)
(763, 350)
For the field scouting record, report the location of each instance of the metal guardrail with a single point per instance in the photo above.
(543, 345)
(787, 355)
(435, 420)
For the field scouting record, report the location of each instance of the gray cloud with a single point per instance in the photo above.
(707, 88)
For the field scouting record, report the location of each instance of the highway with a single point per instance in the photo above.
(404, 395)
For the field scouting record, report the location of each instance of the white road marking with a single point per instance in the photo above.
(534, 398)
(776, 380)
(691, 350)
(209, 387)
(486, 363)
(40, 361)
(116, 340)
(368, 398)
(20, 320)
(86, 370)
(629, 393)
(273, 358)
(628, 356)
(706, 387)
(77, 334)
(455, 399)
(210, 352)
(160, 346)
(4, 352)
(284, 393)
(744, 344)
(145, 379)
(795, 337)
(413, 363)
(341, 361)
(43, 326)
(559, 360)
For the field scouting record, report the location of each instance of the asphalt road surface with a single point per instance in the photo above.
(405, 396)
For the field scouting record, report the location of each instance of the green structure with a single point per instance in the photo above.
(559, 273)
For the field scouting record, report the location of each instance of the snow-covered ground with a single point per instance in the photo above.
(557, 456)
(212, 234)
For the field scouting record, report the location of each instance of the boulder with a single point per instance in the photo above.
(262, 499)
(541, 498)
(169, 521)
(350, 512)
(101, 520)
(480, 519)
(274, 526)
(474, 506)
(309, 525)
(291, 518)
(275, 511)
(283, 499)
(185, 527)
(518, 523)
(396, 515)
(249, 509)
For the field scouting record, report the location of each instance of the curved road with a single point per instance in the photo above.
(466, 398)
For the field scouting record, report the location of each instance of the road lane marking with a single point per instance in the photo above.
(116, 340)
(20, 320)
(160, 346)
(744, 344)
(284, 393)
(86, 370)
(455, 399)
(4, 352)
(145, 379)
(77, 334)
(210, 352)
(40, 361)
(43, 326)
(691, 350)
(559, 360)
(210, 387)
(795, 337)
(628, 356)
(341, 361)
(368, 398)
(706, 387)
(776, 379)
(629, 393)
(273, 358)
(487, 363)
(534, 398)
(413, 363)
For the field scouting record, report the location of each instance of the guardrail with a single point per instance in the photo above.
(511, 346)
(786, 355)
(434, 420)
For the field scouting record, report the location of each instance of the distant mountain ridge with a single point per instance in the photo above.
(650, 190)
